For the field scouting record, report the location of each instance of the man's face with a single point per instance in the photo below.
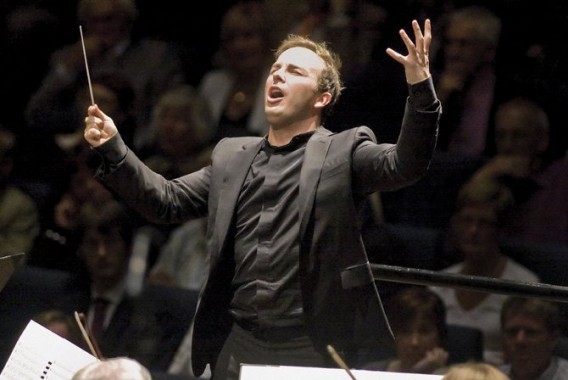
(107, 23)
(176, 131)
(291, 87)
(243, 42)
(513, 136)
(476, 231)
(464, 50)
(105, 254)
(527, 344)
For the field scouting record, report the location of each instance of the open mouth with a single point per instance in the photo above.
(275, 94)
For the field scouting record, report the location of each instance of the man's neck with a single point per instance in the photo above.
(283, 135)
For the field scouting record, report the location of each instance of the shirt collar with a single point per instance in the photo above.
(296, 142)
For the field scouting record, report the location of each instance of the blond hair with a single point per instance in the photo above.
(121, 368)
(474, 371)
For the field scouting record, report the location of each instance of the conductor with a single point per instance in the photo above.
(288, 272)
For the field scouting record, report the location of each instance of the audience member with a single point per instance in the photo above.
(474, 371)
(375, 90)
(532, 63)
(521, 162)
(56, 154)
(119, 368)
(184, 133)
(418, 320)
(111, 89)
(482, 207)
(467, 79)
(351, 27)
(182, 260)
(183, 143)
(152, 67)
(530, 329)
(19, 217)
(122, 325)
(58, 240)
(234, 89)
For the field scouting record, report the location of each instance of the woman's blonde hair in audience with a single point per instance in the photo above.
(119, 368)
(474, 371)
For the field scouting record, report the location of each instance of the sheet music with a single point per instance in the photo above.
(41, 354)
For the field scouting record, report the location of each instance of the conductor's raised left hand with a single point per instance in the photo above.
(416, 63)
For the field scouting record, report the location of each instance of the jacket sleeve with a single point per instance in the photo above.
(383, 167)
(155, 198)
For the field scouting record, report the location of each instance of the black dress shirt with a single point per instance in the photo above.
(266, 282)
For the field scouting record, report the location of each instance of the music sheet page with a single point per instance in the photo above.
(41, 354)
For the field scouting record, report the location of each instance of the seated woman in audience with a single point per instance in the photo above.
(181, 121)
(418, 320)
(234, 87)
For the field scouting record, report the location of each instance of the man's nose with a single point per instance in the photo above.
(521, 336)
(101, 249)
(414, 338)
(278, 76)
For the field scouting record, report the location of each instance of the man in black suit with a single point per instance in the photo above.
(122, 325)
(288, 271)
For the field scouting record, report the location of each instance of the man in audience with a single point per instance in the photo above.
(122, 325)
(151, 66)
(530, 329)
(467, 79)
(539, 183)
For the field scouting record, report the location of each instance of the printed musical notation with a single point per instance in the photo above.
(41, 354)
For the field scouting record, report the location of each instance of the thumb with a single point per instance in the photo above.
(94, 110)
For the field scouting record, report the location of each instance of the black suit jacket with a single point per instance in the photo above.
(147, 328)
(339, 172)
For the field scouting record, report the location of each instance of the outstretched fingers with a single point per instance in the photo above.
(416, 61)
(422, 40)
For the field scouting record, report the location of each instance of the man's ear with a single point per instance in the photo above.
(322, 100)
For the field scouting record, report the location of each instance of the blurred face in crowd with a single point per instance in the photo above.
(476, 232)
(105, 254)
(527, 343)
(108, 20)
(176, 134)
(516, 134)
(413, 341)
(105, 97)
(243, 40)
(464, 50)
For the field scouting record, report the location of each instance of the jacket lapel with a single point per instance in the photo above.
(235, 173)
(316, 151)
